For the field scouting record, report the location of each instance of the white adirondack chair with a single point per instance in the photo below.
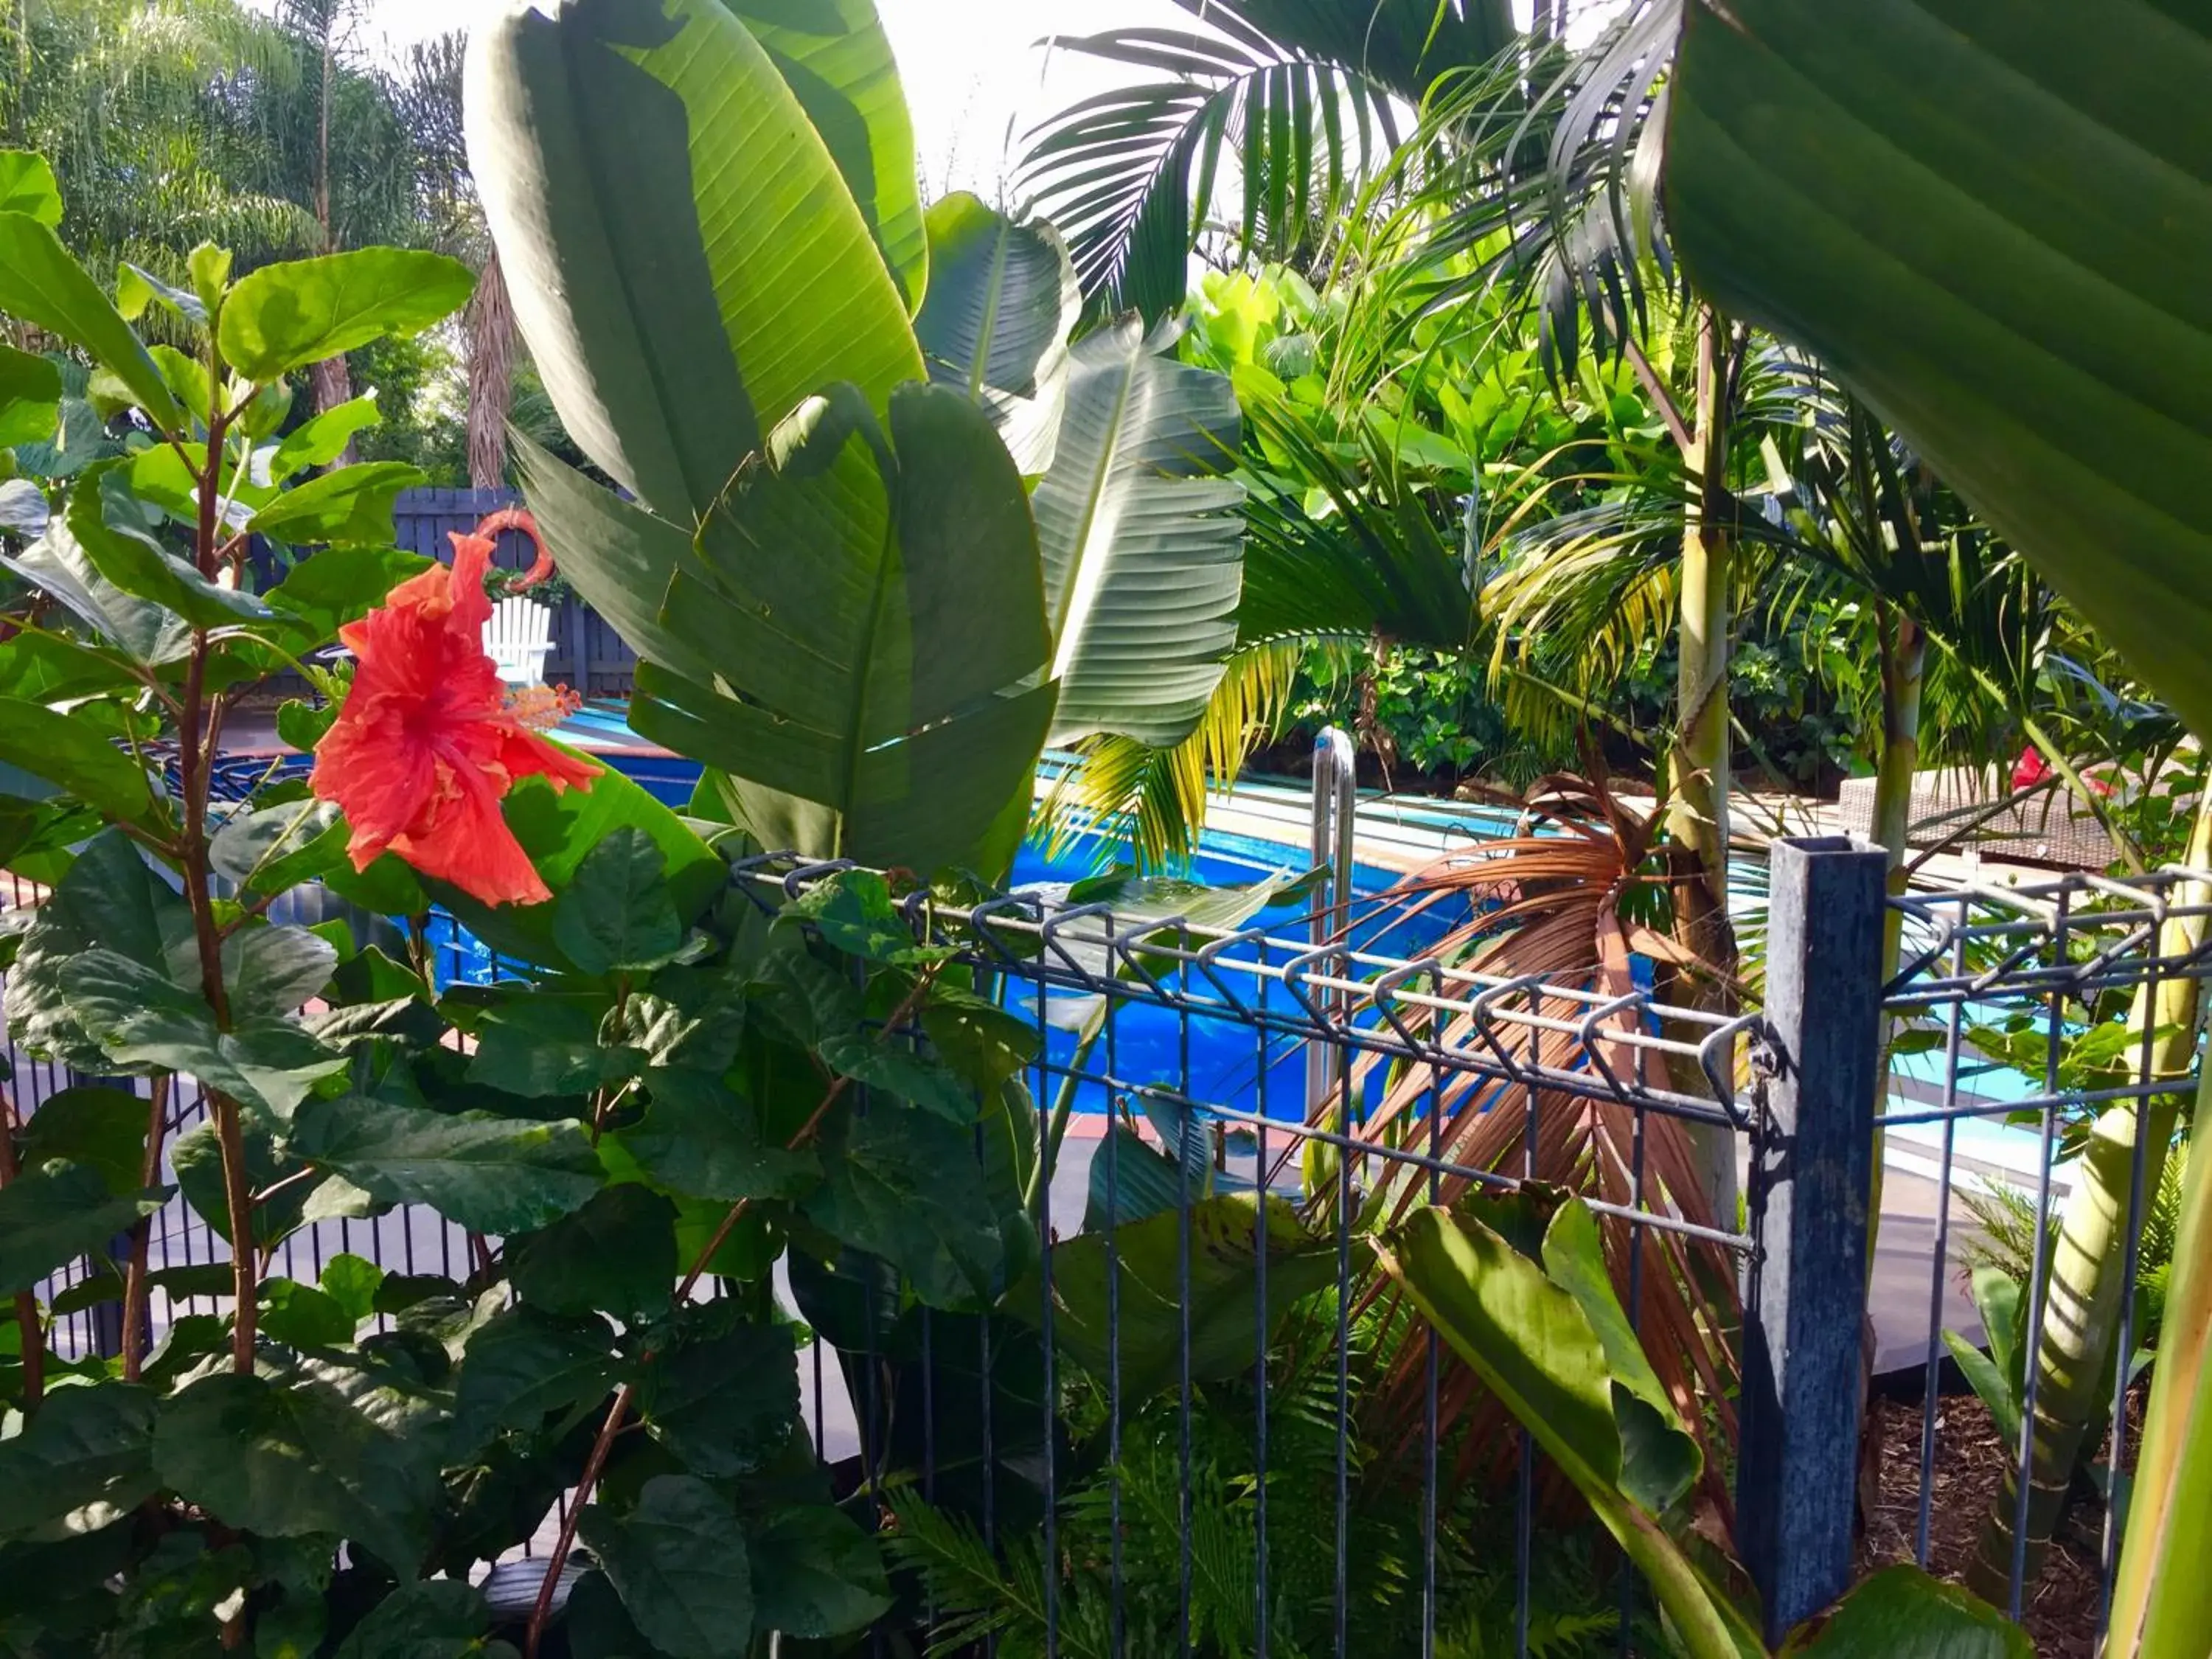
(518, 639)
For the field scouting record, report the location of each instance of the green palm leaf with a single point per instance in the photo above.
(686, 261)
(1143, 550)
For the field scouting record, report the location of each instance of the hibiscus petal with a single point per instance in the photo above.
(468, 844)
(526, 755)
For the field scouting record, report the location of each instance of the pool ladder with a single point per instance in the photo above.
(1336, 810)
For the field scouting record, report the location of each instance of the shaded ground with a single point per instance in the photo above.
(2064, 1608)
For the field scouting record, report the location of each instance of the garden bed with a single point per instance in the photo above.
(2062, 1611)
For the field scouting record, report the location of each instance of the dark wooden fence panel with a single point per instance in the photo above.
(587, 654)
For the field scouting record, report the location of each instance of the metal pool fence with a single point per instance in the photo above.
(1172, 1386)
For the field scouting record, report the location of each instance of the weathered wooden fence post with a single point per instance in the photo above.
(1811, 1183)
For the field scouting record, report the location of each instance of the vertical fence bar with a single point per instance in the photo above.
(1811, 1186)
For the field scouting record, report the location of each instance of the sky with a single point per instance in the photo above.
(973, 69)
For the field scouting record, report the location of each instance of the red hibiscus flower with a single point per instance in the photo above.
(427, 746)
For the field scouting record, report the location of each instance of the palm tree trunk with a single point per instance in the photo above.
(490, 326)
(2082, 1304)
(1697, 814)
(1903, 675)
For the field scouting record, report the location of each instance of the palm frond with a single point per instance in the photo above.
(1138, 799)
(1296, 95)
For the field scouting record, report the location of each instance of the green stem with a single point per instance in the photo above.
(2162, 1601)
(1063, 1111)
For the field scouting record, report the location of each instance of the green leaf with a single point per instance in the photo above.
(321, 439)
(295, 1459)
(616, 914)
(683, 279)
(103, 1128)
(187, 378)
(342, 584)
(27, 186)
(836, 59)
(487, 1174)
(278, 847)
(523, 1366)
(353, 504)
(547, 1046)
(352, 1282)
(816, 1575)
(1660, 1459)
(196, 1157)
(82, 1461)
(40, 284)
(1144, 551)
(1900, 1613)
(725, 1398)
(906, 1185)
(556, 831)
(617, 1255)
(2020, 295)
(431, 1619)
(30, 397)
(1223, 1265)
(208, 267)
(56, 1212)
(138, 565)
(866, 635)
(303, 1316)
(141, 630)
(145, 1022)
(46, 668)
(73, 757)
(286, 316)
(679, 1559)
(1528, 1339)
(271, 971)
(136, 288)
(703, 1139)
(1002, 302)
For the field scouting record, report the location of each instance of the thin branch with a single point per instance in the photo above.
(134, 1278)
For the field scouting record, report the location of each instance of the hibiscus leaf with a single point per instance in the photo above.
(74, 757)
(285, 316)
(341, 584)
(617, 914)
(616, 1253)
(279, 846)
(51, 1215)
(352, 505)
(322, 440)
(297, 1458)
(491, 1174)
(726, 1397)
(427, 1619)
(139, 565)
(81, 1461)
(905, 1185)
(816, 1575)
(704, 1139)
(273, 970)
(523, 1366)
(678, 1559)
(30, 397)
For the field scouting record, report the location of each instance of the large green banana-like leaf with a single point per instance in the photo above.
(1144, 551)
(1994, 222)
(1002, 302)
(837, 61)
(859, 636)
(686, 262)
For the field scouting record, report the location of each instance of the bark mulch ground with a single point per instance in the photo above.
(2061, 1610)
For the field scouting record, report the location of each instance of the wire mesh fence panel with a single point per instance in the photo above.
(1190, 1415)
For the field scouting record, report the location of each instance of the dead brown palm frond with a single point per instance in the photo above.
(1559, 911)
(490, 326)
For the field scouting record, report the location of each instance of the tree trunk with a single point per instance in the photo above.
(2082, 1303)
(1698, 812)
(1903, 675)
(490, 325)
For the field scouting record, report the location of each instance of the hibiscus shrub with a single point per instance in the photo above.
(689, 1078)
